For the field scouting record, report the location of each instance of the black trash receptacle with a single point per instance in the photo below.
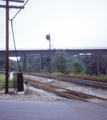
(18, 82)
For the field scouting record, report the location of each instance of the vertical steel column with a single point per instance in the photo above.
(98, 65)
(106, 68)
(106, 65)
(7, 46)
(41, 62)
(50, 55)
(24, 64)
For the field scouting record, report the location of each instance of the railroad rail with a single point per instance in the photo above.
(78, 81)
(60, 91)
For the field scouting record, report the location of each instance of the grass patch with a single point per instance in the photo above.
(87, 77)
(57, 73)
(2, 82)
(47, 73)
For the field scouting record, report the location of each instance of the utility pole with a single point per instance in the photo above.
(7, 46)
(7, 36)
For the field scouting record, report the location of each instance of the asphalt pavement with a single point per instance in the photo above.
(35, 110)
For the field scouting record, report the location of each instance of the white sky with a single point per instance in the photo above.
(71, 23)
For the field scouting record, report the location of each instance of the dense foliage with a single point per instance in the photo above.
(2, 63)
(12, 64)
(78, 67)
(60, 62)
(64, 63)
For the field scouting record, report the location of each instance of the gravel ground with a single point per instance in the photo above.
(32, 94)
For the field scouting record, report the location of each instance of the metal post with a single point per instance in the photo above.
(7, 46)
(106, 68)
(24, 63)
(50, 55)
(98, 65)
(105, 60)
(41, 62)
(48, 38)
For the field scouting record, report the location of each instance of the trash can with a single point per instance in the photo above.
(18, 83)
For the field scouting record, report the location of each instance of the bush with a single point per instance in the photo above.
(78, 67)
(2, 82)
(57, 73)
(43, 71)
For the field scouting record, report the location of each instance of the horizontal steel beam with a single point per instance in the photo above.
(46, 52)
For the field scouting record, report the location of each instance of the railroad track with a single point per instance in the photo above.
(66, 79)
(70, 94)
(78, 81)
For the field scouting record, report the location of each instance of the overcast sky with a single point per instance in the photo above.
(71, 23)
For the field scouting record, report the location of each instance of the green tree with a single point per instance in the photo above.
(2, 63)
(12, 65)
(60, 62)
(78, 67)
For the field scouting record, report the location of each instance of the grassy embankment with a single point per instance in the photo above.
(2, 82)
(102, 78)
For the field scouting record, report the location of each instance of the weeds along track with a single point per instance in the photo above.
(70, 94)
(95, 84)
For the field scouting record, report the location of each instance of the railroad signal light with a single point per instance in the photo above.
(48, 37)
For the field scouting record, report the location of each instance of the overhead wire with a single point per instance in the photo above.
(15, 46)
(19, 10)
(14, 36)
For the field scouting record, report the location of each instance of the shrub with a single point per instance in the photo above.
(2, 82)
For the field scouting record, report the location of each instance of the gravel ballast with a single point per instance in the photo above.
(34, 94)
(72, 86)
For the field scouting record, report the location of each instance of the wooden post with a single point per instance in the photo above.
(7, 46)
